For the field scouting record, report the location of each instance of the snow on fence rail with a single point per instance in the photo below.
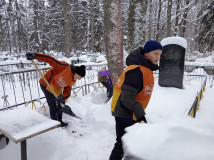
(17, 66)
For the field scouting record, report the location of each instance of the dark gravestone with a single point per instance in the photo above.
(171, 69)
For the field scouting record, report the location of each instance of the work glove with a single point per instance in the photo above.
(142, 119)
(60, 100)
(30, 56)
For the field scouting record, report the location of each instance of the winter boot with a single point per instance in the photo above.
(116, 155)
(63, 124)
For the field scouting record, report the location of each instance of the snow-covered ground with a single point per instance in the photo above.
(169, 134)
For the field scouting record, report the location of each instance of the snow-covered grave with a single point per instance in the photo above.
(20, 124)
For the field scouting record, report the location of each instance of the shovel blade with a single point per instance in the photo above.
(66, 109)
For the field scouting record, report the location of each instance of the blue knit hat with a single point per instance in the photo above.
(152, 45)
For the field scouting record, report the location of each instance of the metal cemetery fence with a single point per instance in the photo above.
(20, 87)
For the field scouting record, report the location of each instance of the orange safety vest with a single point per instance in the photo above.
(63, 79)
(59, 76)
(144, 96)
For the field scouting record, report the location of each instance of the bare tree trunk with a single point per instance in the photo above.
(184, 22)
(169, 9)
(67, 28)
(2, 38)
(12, 25)
(136, 35)
(92, 25)
(150, 21)
(131, 25)
(176, 19)
(158, 20)
(35, 22)
(9, 39)
(42, 27)
(113, 37)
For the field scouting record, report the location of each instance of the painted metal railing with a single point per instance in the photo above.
(199, 96)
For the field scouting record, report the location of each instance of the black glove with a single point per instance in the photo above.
(60, 100)
(30, 56)
(143, 118)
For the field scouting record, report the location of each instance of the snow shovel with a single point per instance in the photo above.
(66, 109)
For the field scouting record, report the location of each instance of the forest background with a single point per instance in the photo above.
(108, 26)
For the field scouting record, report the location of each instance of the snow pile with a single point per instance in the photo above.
(100, 58)
(170, 132)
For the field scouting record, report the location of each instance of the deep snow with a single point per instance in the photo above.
(169, 134)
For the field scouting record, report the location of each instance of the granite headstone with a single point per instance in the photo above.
(171, 68)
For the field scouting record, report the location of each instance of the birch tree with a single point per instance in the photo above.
(113, 37)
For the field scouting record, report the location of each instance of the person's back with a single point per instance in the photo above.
(105, 80)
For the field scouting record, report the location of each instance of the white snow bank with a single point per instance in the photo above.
(170, 132)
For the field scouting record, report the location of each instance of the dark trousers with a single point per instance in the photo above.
(109, 88)
(117, 152)
(55, 112)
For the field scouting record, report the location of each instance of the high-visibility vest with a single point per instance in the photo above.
(61, 80)
(59, 76)
(144, 96)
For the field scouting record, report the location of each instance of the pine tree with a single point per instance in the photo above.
(205, 37)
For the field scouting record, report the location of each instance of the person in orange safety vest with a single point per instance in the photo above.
(61, 77)
(133, 90)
